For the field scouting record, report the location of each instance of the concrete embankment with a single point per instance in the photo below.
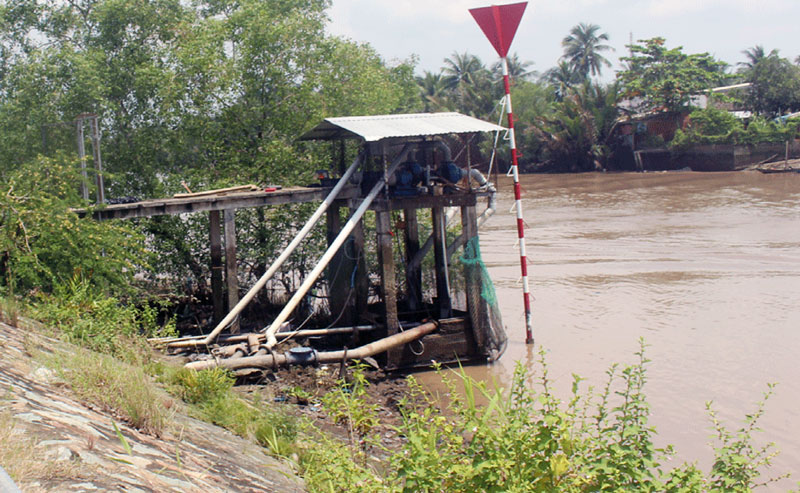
(77, 448)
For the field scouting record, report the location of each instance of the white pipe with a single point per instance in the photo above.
(276, 264)
(332, 249)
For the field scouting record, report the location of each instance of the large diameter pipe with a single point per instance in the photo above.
(276, 264)
(282, 359)
(333, 248)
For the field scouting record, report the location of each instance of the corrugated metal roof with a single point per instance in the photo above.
(379, 127)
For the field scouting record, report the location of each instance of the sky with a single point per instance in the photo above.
(434, 29)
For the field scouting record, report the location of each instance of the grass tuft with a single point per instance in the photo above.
(123, 390)
(23, 461)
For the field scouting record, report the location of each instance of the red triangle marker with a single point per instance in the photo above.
(499, 23)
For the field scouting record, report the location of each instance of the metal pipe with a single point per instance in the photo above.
(276, 264)
(281, 359)
(332, 249)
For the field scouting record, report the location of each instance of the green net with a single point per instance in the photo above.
(475, 268)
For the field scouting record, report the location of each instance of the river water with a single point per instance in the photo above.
(704, 266)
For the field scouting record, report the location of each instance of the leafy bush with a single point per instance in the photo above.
(212, 398)
(43, 243)
(715, 126)
(524, 440)
(202, 386)
(85, 316)
(346, 404)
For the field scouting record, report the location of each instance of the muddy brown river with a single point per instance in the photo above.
(704, 266)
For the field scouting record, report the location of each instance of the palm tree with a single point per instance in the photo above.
(562, 77)
(583, 47)
(517, 69)
(470, 83)
(433, 91)
(462, 69)
(754, 55)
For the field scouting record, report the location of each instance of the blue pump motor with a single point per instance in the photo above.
(450, 172)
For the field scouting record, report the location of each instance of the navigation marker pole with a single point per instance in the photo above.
(499, 23)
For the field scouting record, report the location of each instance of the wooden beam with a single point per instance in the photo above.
(360, 299)
(440, 262)
(231, 272)
(413, 277)
(387, 274)
(215, 240)
(428, 201)
(476, 306)
(340, 270)
(173, 206)
(388, 282)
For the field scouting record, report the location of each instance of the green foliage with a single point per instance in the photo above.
(196, 387)
(739, 463)
(43, 243)
(528, 440)
(86, 317)
(346, 404)
(775, 85)
(667, 78)
(715, 126)
(211, 398)
(574, 136)
(210, 93)
(119, 388)
(583, 49)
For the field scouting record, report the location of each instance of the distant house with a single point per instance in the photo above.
(638, 139)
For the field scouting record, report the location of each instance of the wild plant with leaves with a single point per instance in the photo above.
(526, 439)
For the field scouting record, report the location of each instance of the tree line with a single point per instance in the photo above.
(566, 115)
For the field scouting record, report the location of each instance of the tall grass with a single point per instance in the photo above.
(118, 388)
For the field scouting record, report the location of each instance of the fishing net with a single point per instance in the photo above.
(488, 316)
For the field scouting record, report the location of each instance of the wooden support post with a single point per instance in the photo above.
(361, 279)
(340, 270)
(386, 261)
(231, 273)
(476, 306)
(388, 285)
(216, 264)
(440, 261)
(413, 276)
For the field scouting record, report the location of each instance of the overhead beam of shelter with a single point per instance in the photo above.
(380, 127)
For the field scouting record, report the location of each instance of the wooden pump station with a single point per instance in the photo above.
(404, 313)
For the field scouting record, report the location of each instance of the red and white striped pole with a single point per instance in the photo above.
(523, 256)
(499, 23)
